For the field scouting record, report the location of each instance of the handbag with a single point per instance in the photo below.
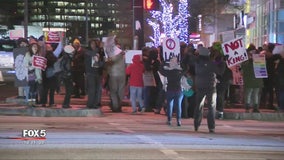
(31, 75)
(149, 79)
(49, 72)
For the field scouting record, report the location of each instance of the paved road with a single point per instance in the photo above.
(143, 136)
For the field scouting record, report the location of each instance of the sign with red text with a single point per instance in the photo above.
(39, 62)
(236, 52)
(171, 48)
(52, 37)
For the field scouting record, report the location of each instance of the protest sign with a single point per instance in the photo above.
(235, 52)
(21, 71)
(259, 66)
(52, 37)
(278, 49)
(171, 48)
(110, 48)
(129, 55)
(39, 62)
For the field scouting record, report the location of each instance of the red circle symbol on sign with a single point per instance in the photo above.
(171, 44)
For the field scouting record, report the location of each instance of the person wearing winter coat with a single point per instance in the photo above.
(135, 72)
(174, 94)
(66, 74)
(49, 79)
(34, 77)
(94, 62)
(252, 85)
(279, 77)
(206, 72)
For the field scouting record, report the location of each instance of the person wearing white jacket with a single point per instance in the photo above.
(34, 74)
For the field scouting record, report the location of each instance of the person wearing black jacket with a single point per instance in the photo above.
(205, 83)
(94, 62)
(49, 79)
(174, 94)
(67, 74)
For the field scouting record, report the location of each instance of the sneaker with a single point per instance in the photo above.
(211, 130)
(142, 110)
(52, 105)
(220, 115)
(247, 110)
(169, 123)
(133, 112)
(66, 106)
(179, 123)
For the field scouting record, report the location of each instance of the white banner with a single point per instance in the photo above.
(171, 48)
(129, 55)
(236, 52)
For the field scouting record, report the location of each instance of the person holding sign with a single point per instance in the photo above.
(252, 84)
(34, 73)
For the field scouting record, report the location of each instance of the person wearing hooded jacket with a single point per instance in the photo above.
(135, 71)
(206, 72)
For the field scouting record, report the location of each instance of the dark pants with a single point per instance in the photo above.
(94, 85)
(116, 87)
(188, 106)
(267, 90)
(49, 86)
(281, 99)
(33, 90)
(221, 95)
(210, 95)
(68, 91)
(150, 97)
(161, 97)
(79, 80)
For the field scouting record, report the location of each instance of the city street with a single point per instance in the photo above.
(142, 136)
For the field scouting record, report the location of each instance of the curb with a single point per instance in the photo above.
(254, 116)
(47, 112)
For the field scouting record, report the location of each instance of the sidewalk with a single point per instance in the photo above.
(14, 106)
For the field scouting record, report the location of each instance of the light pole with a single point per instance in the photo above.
(26, 19)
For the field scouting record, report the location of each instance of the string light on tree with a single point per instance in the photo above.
(169, 25)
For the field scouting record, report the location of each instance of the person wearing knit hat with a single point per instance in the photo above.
(174, 94)
(78, 69)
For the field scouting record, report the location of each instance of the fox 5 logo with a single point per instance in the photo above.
(34, 133)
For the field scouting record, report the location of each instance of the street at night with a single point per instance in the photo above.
(142, 136)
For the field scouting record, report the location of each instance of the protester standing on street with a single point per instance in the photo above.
(94, 62)
(116, 70)
(49, 78)
(205, 82)
(67, 74)
(174, 94)
(78, 69)
(34, 74)
(252, 85)
(135, 71)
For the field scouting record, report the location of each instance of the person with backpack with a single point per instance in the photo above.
(66, 74)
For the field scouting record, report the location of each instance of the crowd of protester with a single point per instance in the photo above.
(183, 85)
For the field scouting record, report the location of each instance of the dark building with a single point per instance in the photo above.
(103, 17)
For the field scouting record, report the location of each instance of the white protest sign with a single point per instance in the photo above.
(278, 49)
(129, 55)
(110, 48)
(236, 52)
(171, 48)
